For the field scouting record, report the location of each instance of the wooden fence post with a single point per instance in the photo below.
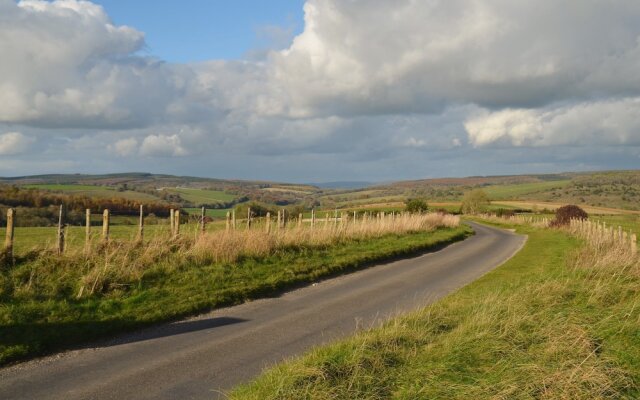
(172, 221)
(105, 225)
(634, 247)
(233, 219)
(299, 220)
(268, 223)
(8, 242)
(141, 224)
(313, 218)
(60, 241)
(87, 230)
(335, 217)
(284, 218)
(248, 217)
(228, 221)
(202, 221)
(355, 217)
(176, 215)
(279, 221)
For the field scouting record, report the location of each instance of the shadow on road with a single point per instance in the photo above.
(66, 335)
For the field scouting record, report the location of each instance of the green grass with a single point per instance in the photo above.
(627, 222)
(33, 238)
(538, 327)
(210, 212)
(201, 196)
(503, 192)
(39, 311)
(94, 191)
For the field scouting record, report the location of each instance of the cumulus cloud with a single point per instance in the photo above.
(124, 147)
(365, 81)
(66, 65)
(162, 146)
(13, 143)
(408, 56)
(612, 122)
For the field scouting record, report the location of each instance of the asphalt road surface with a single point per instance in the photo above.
(202, 357)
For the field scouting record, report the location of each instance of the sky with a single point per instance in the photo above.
(319, 90)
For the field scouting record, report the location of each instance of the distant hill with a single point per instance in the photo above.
(343, 185)
(618, 189)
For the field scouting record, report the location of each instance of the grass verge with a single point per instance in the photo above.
(35, 322)
(551, 323)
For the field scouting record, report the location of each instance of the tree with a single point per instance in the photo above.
(474, 201)
(565, 214)
(416, 205)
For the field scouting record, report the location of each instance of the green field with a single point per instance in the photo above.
(35, 238)
(202, 196)
(40, 311)
(503, 192)
(545, 325)
(94, 191)
(627, 222)
(209, 212)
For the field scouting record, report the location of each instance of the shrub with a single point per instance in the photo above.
(416, 206)
(503, 212)
(474, 202)
(565, 214)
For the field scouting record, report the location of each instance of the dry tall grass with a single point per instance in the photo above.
(123, 263)
(228, 246)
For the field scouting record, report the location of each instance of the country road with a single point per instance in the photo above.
(201, 357)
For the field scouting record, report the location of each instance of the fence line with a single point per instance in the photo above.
(338, 222)
(595, 232)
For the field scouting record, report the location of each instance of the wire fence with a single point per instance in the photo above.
(105, 227)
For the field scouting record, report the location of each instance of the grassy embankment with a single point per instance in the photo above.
(50, 302)
(560, 320)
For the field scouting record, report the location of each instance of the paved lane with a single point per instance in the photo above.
(199, 358)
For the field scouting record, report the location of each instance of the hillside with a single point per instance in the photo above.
(612, 189)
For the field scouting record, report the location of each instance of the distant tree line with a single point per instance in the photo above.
(13, 196)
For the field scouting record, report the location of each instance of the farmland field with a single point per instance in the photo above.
(94, 191)
(209, 212)
(202, 196)
(515, 191)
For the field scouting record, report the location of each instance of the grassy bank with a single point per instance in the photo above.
(560, 320)
(50, 302)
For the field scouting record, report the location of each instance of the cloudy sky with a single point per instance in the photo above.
(321, 90)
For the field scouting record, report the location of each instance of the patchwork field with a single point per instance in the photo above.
(94, 191)
(202, 196)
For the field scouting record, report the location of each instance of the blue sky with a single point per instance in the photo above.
(320, 90)
(200, 30)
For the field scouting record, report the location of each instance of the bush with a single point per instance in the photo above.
(416, 206)
(474, 202)
(565, 214)
(503, 212)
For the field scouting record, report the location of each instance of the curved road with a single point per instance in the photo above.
(202, 357)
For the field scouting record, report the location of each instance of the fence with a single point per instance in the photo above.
(595, 232)
(43, 238)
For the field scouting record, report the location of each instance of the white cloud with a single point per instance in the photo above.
(162, 146)
(124, 147)
(65, 64)
(416, 56)
(610, 122)
(366, 79)
(13, 143)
